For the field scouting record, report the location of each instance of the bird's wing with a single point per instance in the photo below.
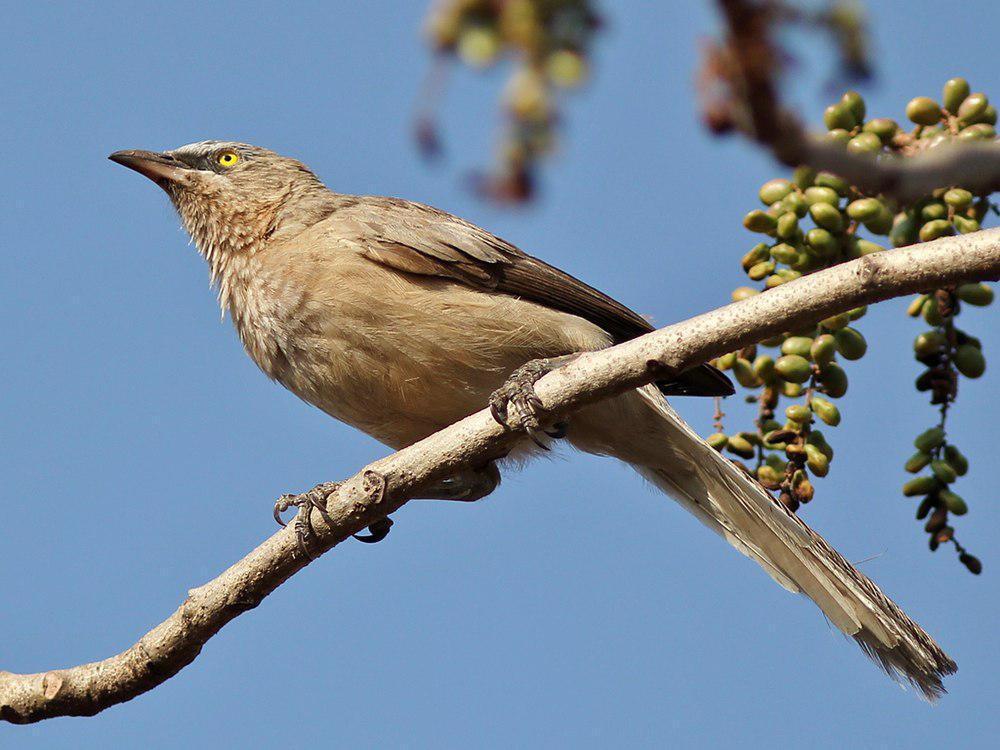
(418, 239)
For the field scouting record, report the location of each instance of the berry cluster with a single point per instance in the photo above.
(815, 220)
(550, 42)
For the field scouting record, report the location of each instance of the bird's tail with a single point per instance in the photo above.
(641, 429)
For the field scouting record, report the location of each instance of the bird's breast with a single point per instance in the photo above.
(398, 356)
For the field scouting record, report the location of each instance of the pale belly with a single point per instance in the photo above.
(401, 357)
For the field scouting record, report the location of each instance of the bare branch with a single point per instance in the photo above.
(974, 166)
(385, 485)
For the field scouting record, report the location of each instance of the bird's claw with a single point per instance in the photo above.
(519, 391)
(305, 502)
(376, 531)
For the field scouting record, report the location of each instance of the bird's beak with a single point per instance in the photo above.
(163, 169)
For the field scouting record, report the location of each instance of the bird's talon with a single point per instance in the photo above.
(305, 502)
(534, 435)
(282, 504)
(376, 531)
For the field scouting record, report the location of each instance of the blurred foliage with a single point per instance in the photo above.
(815, 220)
(549, 42)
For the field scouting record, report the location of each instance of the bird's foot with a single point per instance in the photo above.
(519, 392)
(305, 502)
(317, 498)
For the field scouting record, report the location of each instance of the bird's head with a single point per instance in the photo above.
(232, 196)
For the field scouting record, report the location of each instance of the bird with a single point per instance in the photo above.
(400, 319)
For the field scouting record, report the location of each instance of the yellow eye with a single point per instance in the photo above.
(227, 158)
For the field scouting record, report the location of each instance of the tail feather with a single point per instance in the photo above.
(734, 505)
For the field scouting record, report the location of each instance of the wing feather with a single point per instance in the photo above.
(414, 238)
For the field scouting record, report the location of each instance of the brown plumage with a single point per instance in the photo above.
(400, 319)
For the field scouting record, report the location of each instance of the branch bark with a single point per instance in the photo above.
(974, 166)
(385, 485)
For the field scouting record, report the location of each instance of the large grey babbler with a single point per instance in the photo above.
(400, 319)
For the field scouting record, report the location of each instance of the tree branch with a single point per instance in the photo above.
(974, 166)
(385, 485)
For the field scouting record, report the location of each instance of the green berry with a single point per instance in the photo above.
(743, 372)
(917, 462)
(850, 343)
(979, 295)
(972, 107)
(758, 221)
(757, 254)
(763, 367)
(943, 471)
(933, 210)
(883, 127)
(958, 462)
(839, 135)
(920, 486)
(784, 253)
(827, 217)
(817, 461)
(904, 230)
(761, 271)
(969, 361)
(857, 247)
(929, 343)
(856, 104)
(954, 502)
(865, 143)
(832, 181)
(836, 322)
(826, 411)
(788, 225)
(839, 116)
(934, 229)
(954, 93)
(740, 446)
(834, 380)
(818, 194)
(797, 345)
(774, 190)
(932, 313)
(793, 368)
(923, 111)
(928, 440)
(718, 441)
(816, 438)
(798, 413)
(803, 176)
(823, 349)
(964, 225)
(958, 198)
(978, 132)
(822, 243)
(864, 208)
(795, 203)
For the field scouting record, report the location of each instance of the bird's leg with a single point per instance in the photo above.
(519, 391)
(466, 486)
(305, 502)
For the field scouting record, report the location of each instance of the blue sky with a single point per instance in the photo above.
(141, 449)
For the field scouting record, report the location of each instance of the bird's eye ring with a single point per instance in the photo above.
(227, 158)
